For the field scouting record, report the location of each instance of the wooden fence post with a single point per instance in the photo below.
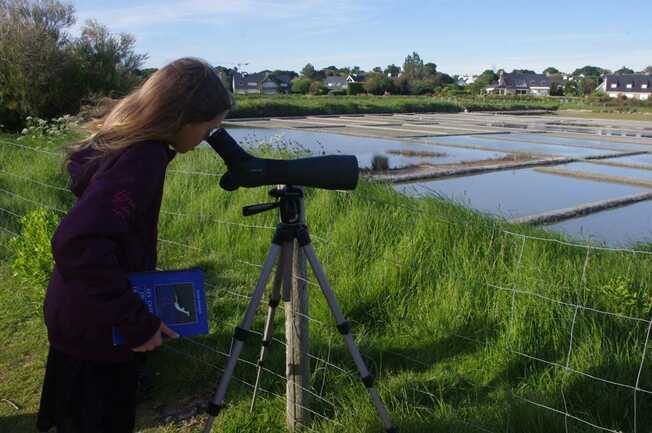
(298, 341)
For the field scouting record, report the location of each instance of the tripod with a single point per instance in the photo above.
(291, 228)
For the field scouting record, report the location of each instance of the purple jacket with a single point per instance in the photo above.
(110, 232)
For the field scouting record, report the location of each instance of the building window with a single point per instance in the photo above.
(251, 84)
(643, 86)
(629, 86)
(614, 85)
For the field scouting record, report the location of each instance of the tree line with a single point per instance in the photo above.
(45, 72)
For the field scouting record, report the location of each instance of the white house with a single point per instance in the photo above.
(261, 83)
(633, 86)
(465, 80)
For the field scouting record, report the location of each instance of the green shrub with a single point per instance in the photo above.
(32, 262)
(300, 85)
(355, 89)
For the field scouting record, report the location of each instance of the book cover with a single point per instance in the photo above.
(176, 297)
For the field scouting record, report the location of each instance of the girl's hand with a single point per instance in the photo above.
(156, 339)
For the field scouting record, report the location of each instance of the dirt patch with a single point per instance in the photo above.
(420, 153)
(439, 171)
(395, 170)
(425, 167)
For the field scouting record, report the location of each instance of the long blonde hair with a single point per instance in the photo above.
(185, 91)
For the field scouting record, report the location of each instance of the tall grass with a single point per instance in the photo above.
(414, 275)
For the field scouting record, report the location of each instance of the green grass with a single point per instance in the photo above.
(296, 105)
(608, 105)
(646, 116)
(412, 274)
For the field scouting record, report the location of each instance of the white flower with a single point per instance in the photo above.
(24, 131)
(29, 117)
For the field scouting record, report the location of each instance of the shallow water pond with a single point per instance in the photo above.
(513, 146)
(622, 227)
(517, 193)
(363, 148)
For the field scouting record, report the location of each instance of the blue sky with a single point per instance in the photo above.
(459, 36)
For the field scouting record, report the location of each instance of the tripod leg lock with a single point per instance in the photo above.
(344, 327)
(303, 237)
(266, 343)
(240, 334)
(213, 409)
(274, 302)
(368, 380)
(392, 430)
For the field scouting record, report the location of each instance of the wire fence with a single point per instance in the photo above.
(330, 408)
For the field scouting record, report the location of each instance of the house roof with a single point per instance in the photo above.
(241, 81)
(635, 80)
(356, 78)
(521, 81)
(335, 81)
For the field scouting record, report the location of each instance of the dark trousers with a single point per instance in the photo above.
(87, 396)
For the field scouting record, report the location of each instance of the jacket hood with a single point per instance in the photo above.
(82, 169)
(85, 164)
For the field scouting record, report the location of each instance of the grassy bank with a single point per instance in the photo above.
(295, 105)
(427, 283)
(605, 104)
(587, 114)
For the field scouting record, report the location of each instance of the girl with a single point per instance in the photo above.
(117, 175)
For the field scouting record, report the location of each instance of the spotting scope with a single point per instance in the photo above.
(246, 170)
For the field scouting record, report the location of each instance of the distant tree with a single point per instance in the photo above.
(38, 71)
(108, 61)
(588, 85)
(442, 79)
(590, 71)
(483, 80)
(282, 72)
(356, 70)
(377, 84)
(145, 73)
(571, 88)
(377, 70)
(624, 70)
(317, 88)
(413, 67)
(429, 70)
(344, 72)
(330, 71)
(301, 85)
(647, 70)
(550, 70)
(556, 84)
(308, 71)
(523, 71)
(226, 75)
(421, 87)
(392, 71)
(355, 89)
(402, 85)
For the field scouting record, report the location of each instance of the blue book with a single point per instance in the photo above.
(176, 297)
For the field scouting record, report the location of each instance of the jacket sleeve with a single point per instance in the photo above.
(87, 242)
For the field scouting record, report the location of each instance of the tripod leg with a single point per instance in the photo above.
(344, 327)
(274, 300)
(240, 334)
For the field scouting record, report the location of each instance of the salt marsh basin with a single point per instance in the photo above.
(502, 164)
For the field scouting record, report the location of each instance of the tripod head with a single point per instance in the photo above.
(288, 202)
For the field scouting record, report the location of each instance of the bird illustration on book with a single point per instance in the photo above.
(177, 303)
(179, 307)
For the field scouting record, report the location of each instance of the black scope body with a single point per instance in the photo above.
(245, 170)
